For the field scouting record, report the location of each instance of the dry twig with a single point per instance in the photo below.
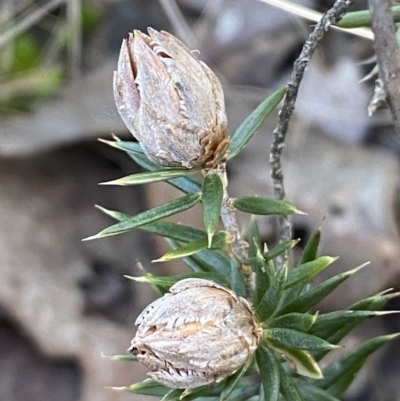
(332, 16)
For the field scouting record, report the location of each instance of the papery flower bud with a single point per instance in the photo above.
(171, 102)
(197, 334)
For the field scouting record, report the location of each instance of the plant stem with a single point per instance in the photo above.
(238, 246)
(387, 51)
(330, 17)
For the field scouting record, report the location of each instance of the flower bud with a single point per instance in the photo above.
(171, 102)
(197, 334)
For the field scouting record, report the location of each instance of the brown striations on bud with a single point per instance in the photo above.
(197, 334)
(171, 102)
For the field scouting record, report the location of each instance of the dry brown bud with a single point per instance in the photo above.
(171, 102)
(197, 334)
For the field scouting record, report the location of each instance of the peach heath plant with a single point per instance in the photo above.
(235, 315)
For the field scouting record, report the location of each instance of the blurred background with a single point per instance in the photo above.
(64, 302)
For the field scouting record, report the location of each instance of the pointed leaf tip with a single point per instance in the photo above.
(118, 388)
(149, 177)
(264, 206)
(132, 277)
(149, 216)
(210, 237)
(92, 237)
(217, 241)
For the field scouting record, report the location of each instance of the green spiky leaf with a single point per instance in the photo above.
(307, 271)
(216, 259)
(186, 184)
(289, 338)
(309, 254)
(178, 232)
(212, 260)
(123, 357)
(312, 393)
(265, 273)
(275, 251)
(146, 387)
(173, 395)
(288, 387)
(257, 263)
(270, 301)
(148, 177)
(340, 374)
(311, 249)
(337, 319)
(296, 321)
(374, 303)
(310, 298)
(166, 282)
(301, 362)
(269, 371)
(237, 280)
(264, 206)
(252, 123)
(212, 201)
(198, 393)
(218, 242)
(159, 212)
